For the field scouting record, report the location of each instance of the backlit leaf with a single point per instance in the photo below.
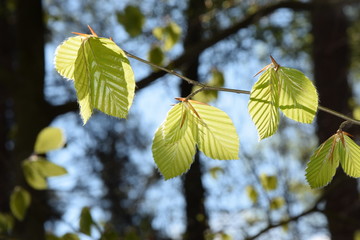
(323, 163)
(264, 104)
(156, 55)
(6, 223)
(214, 171)
(37, 169)
(50, 138)
(189, 123)
(132, 19)
(276, 203)
(20, 200)
(350, 159)
(70, 236)
(252, 193)
(102, 75)
(298, 96)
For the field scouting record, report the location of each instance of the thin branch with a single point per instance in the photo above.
(294, 218)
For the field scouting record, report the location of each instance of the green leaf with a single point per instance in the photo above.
(276, 203)
(188, 124)
(6, 223)
(50, 138)
(268, 182)
(169, 34)
(252, 193)
(264, 104)
(86, 221)
(132, 19)
(20, 200)
(70, 236)
(102, 75)
(281, 88)
(50, 236)
(217, 136)
(173, 158)
(323, 163)
(156, 55)
(298, 96)
(214, 171)
(37, 169)
(350, 160)
(217, 80)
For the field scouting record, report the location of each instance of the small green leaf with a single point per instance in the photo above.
(86, 221)
(277, 203)
(70, 236)
(6, 223)
(252, 193)
(50, 138)
(217, 80)
(37, 169)
(20, 200)
(132, 19)
(50, 236)
(169, 34)
(323, 163)
(156, 55)
(268, 182)
(102, 75)
(264, 104)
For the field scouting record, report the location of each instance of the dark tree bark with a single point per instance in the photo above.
(331, 66)
(196, 216)
(22, 107)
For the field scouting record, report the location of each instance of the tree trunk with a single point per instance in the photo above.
(24, 106)
(331, 66)
(196, 216)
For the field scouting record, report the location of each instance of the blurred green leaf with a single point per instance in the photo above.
(50, 138)
(217, 80)
(86, 221)
(70, 236)
(156, 55)
(132, 19)
(252, 193)
(215, 171)
(6, 223)
(50, 236)
(276, 203)
(169, 35)
(268, 182)
(37, 169)
(20, 200)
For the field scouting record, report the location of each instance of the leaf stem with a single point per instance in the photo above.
(204, 87)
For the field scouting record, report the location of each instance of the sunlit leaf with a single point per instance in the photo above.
(132, 19)
(37, 169)
(189, 123)
(298, 96)
(276, 203)
(281, 88)
(169, 34)
(20, 200)
(217, 136)
(217, 80)
(102, 75)
(50, 138)
(6, 223)
(173, 158)
(50, 236)
(86, 221)
(350, 159)
(323, 163)
(268, 182)
(252, 193)
(264, 104)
